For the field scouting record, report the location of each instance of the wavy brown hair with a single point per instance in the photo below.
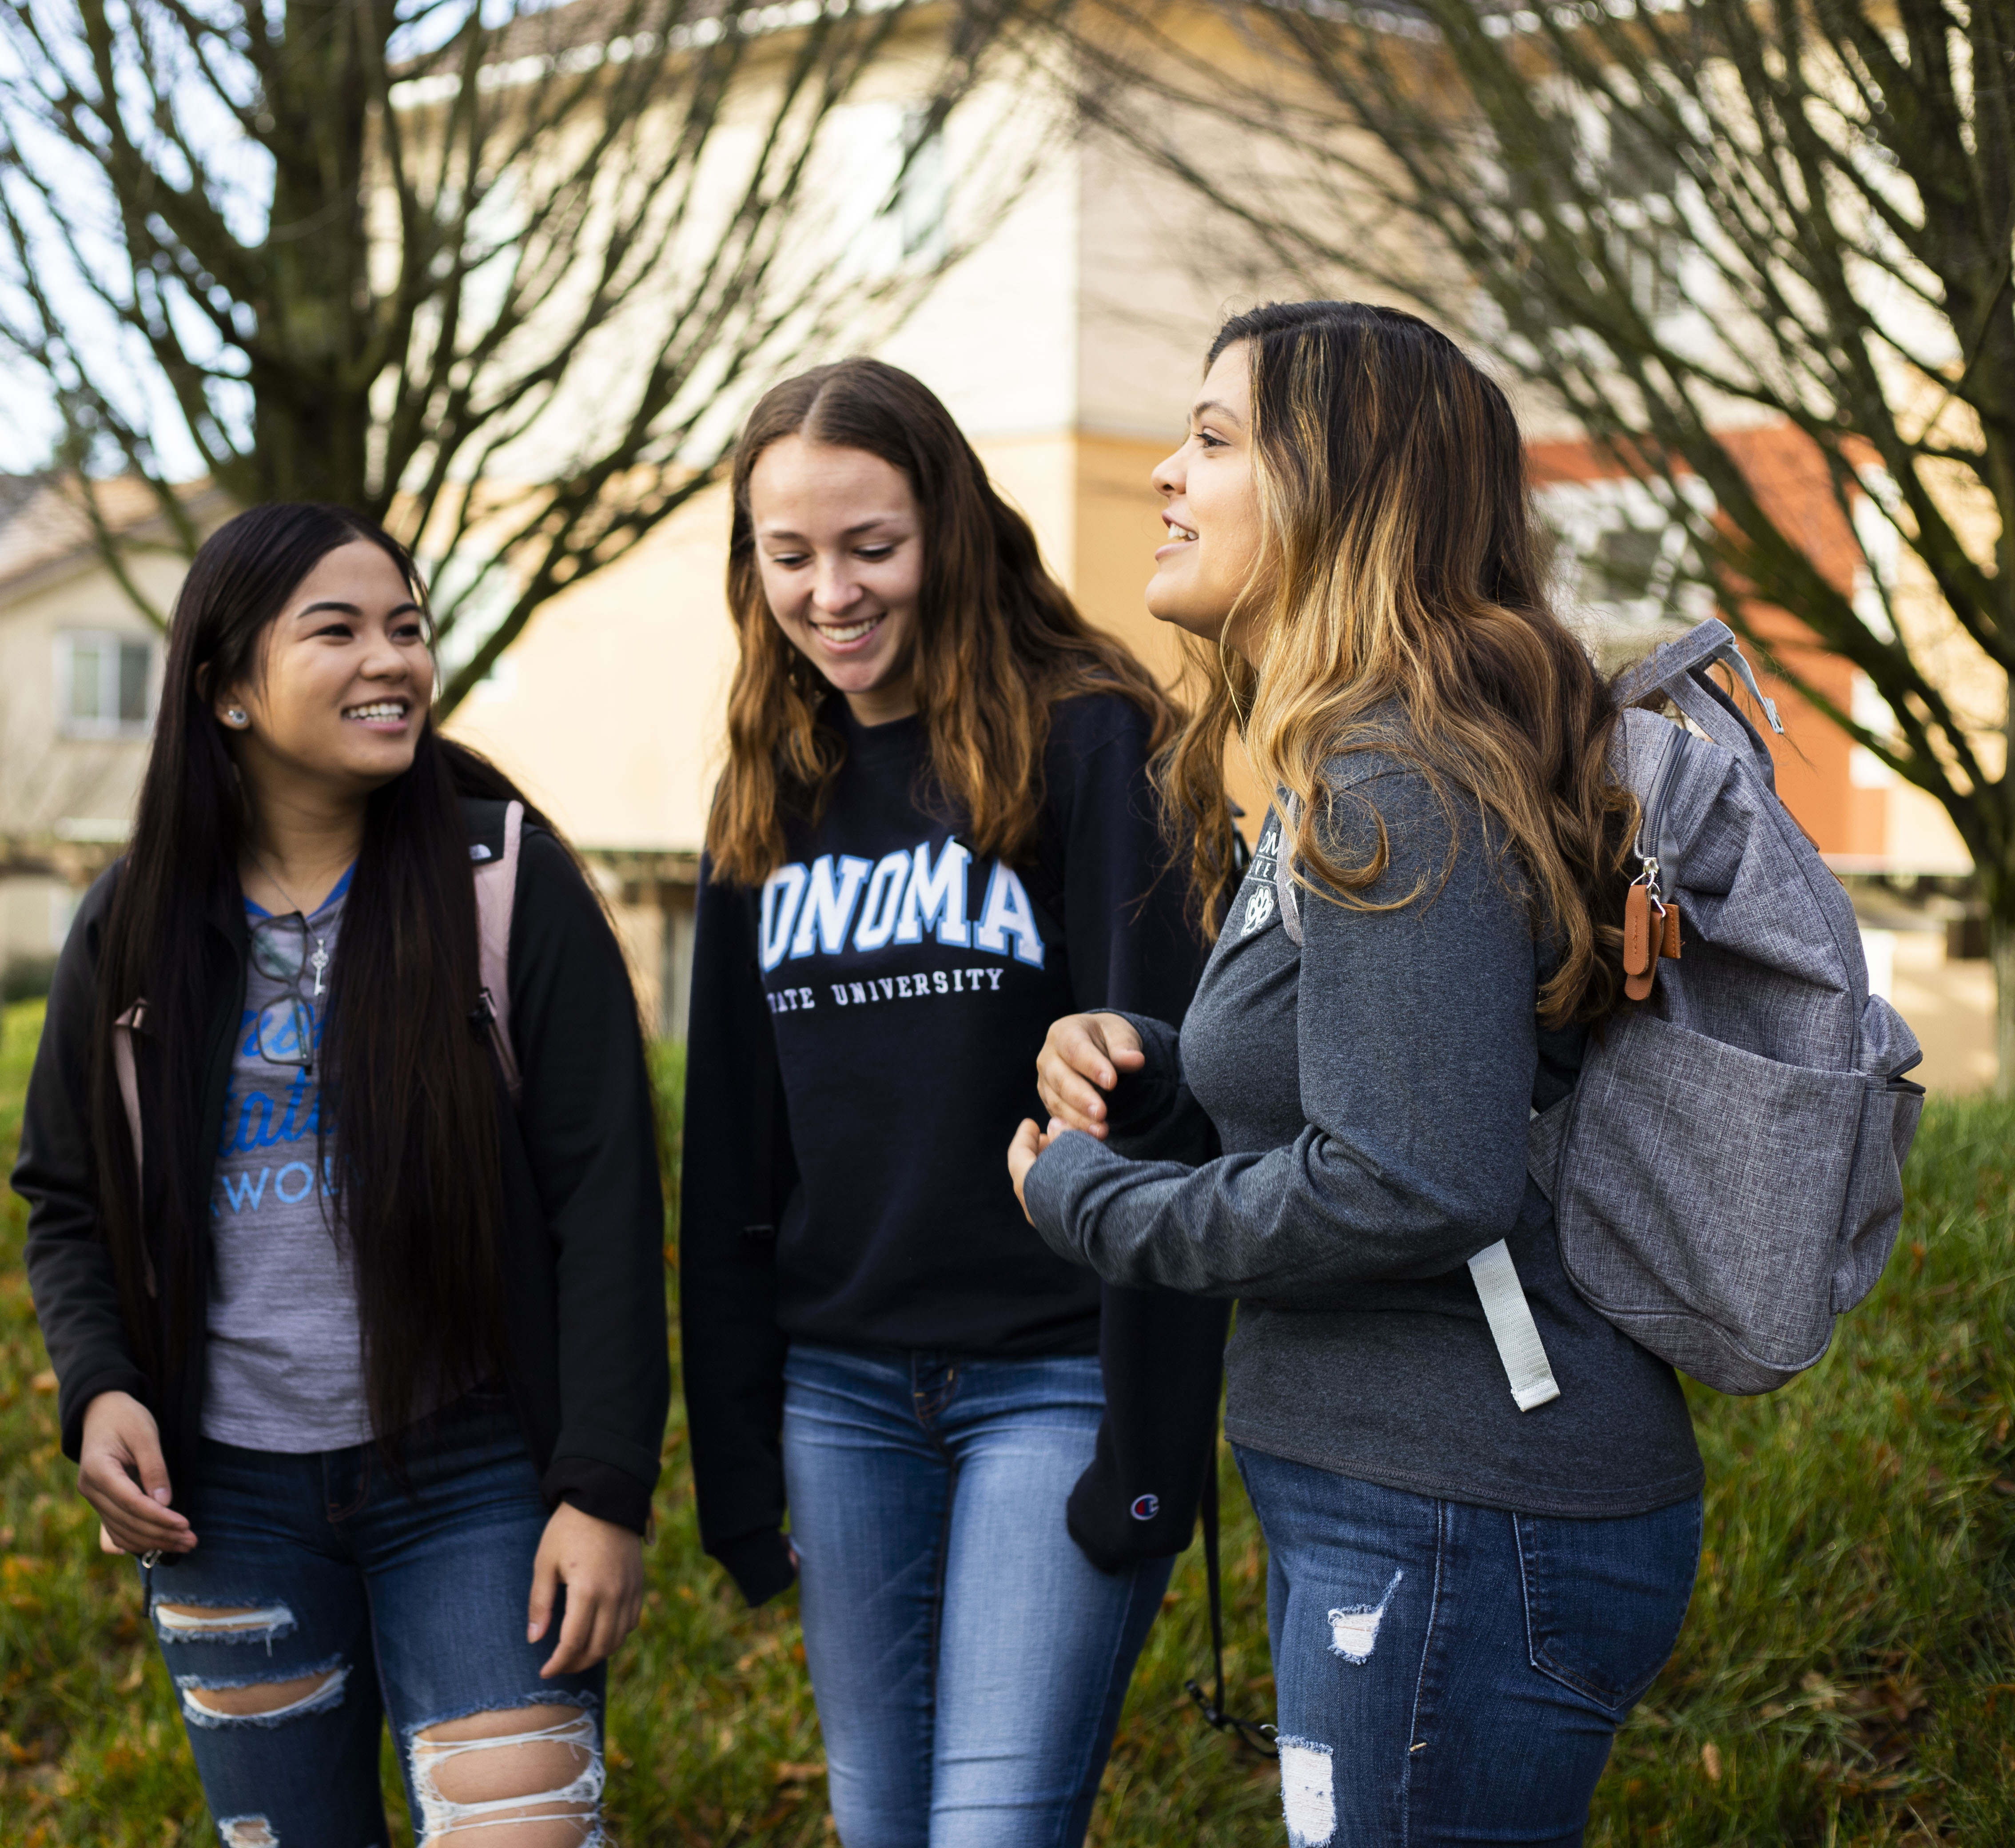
(998, 644)
(1400, 564)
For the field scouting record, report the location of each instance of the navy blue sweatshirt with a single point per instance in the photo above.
(862, 1044)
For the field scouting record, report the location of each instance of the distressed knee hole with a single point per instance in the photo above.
(247, 1832)
(525, 1777)
(1308, 1793)
(261, 1703)
(1353, 1631)
(223, 1624)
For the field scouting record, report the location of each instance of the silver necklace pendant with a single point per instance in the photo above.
(318, 961)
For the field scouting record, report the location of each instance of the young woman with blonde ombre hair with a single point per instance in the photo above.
(1465, 1599)
(936, 832)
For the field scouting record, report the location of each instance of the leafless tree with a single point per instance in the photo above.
(1680, 219)
(498, 275)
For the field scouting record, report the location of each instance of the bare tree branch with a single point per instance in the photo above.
(1671, 217)
(497, 279)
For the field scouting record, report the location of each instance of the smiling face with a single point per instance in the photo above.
(1212, 514)
(839, 548)
(343, 686)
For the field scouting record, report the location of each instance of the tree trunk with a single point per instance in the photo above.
(2000, 952)
(310, 357)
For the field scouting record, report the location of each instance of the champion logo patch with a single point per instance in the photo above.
(1146, 1506)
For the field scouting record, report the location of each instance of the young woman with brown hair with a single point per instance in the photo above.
(1465, 1598)
(935, 831)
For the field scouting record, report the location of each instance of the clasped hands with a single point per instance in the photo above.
(1082, 1059)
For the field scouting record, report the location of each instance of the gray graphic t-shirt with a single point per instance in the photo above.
(285, 1366)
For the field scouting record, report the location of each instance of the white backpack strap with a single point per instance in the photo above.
(134, 1020)
(496, 893)
(1512, 1327)
(1504, 1305)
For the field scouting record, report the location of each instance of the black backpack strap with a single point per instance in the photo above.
(1256, 1734)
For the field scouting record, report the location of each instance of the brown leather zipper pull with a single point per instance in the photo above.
(1669, 944)
(1639, 956)
(1636, 931)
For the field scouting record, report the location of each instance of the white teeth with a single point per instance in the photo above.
(384, 709)
(851, 633)
(1184, 533)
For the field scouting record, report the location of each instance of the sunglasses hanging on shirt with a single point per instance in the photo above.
(288, 950)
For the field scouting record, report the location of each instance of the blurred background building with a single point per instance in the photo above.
(1068, 344)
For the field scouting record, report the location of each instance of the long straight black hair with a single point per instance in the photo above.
(409, 1092)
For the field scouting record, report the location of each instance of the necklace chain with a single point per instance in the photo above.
(318, 961)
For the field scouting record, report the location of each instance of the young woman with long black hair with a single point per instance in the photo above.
(1465, 1597)
(936, 829)
(362, 1338)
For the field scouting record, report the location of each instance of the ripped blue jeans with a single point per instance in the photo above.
(322, 1596)
(1450, 1674)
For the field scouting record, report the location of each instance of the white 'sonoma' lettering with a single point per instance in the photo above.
(828, 904)
(1008, 914)
(878, 911)
(782, 892)
(808, 910)
(936, 895)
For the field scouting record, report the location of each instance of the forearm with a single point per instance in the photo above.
(1302, 1225)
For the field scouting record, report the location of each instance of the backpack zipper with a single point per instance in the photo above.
(1651, 818)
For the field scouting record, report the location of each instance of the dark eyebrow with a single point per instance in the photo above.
(352, 609)
(865, 526)
(1212, 404)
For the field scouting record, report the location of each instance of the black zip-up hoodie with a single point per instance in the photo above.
(585, 1338)
(863, 1043)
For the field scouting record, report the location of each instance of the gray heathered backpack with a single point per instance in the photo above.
(1726, 1175)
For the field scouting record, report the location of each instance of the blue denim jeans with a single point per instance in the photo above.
(968, 1662)
(323, 1594)
(1449, 1673)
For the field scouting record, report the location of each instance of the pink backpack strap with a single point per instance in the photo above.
(496, 893)
(134, 1020)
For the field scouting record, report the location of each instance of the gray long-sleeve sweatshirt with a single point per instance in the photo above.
(1370, 1092)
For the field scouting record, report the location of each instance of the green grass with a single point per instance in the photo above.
(1846, 1675)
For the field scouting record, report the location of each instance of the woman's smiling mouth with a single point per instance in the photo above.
(846, 635)
(378, 712)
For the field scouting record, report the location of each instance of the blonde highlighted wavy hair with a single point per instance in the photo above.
(1400, 564)
(999, 642)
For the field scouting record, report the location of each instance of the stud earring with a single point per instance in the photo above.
(235, 715)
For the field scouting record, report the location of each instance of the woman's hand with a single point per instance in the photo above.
(121, 1473)
(602, 1565)
(1028, 1142)
(1081, 1058)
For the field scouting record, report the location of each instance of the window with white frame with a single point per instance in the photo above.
(105, 684)
(891, 189)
